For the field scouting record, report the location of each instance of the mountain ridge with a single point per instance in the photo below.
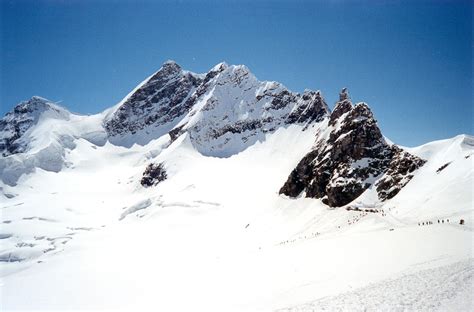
(197, 201)
(224, 111)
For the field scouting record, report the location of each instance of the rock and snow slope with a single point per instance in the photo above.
(224, 110)
(350, 156)
(213, 233)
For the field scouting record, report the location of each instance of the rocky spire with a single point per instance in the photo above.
(344, 95)
(343, 106)
(347, 162)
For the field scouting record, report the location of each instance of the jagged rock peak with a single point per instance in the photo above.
(311, 107)
(344, 95)
(169, 68)
(344, 105)
(157, 102)
(351, 158)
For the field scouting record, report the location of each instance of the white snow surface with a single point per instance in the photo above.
(79, 232)
(216, 236)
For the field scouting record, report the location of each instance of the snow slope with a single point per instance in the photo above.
(216, 235)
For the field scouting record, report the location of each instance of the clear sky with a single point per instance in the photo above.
(411, 61)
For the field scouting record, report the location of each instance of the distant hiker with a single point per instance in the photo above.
(443, 221)
(438, 221)
(461, 222)
(448, 220)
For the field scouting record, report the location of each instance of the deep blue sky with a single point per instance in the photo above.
(410, 61)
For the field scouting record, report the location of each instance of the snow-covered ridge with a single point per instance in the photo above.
(38, 134)
(224, 110)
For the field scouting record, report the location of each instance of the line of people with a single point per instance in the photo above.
(299, 238)
(431, 222)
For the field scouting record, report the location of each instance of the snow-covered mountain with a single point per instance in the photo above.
(233, 194)
(16, 126)
(223, 111)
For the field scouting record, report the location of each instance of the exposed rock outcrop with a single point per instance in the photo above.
(153, 174)
(349, 157)
(398, 174)
(23, 117)
(155, 106)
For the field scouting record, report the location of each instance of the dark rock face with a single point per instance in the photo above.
(24, 116)
(153, 174)
(350, 159)
(8, 145)
(223, 111)
(313, 108)
(343, 106)
(446, 165)
(398, 174)
(159, 101)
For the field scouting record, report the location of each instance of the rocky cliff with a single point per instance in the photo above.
(351, 155)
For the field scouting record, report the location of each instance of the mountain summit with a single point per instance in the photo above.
(224, 111)
(23, 117)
